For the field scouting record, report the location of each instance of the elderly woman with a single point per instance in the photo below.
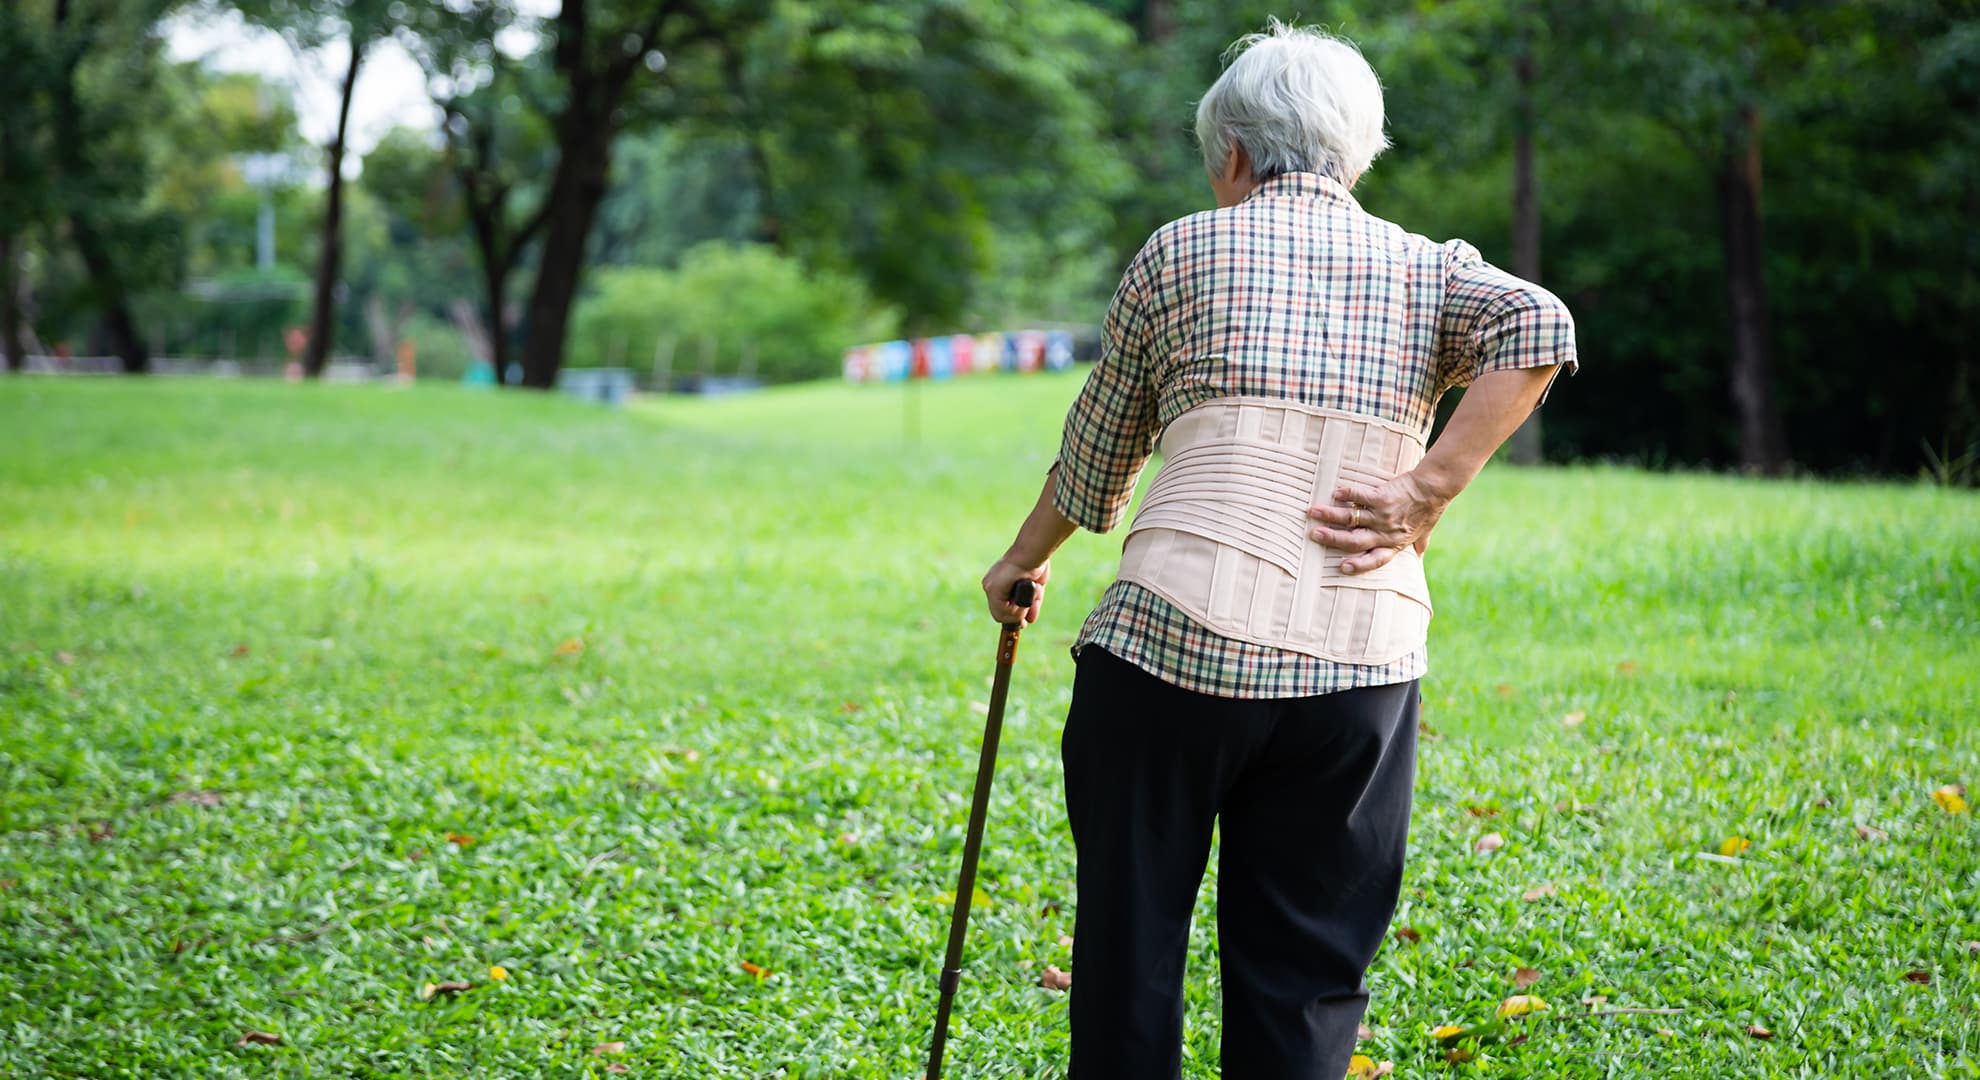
(1256, 661)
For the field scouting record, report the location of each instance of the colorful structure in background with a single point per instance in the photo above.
(960, 354)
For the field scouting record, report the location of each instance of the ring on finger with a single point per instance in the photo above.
(1357, 518)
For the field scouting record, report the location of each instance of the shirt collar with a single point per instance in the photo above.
(1302, 185)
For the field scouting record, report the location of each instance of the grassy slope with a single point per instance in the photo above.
(763, 749)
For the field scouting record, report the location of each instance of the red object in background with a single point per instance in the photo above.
(962, 349)
(918, 369)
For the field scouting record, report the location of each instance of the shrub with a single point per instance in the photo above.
(738, 299)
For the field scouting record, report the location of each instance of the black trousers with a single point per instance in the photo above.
(1313, 795)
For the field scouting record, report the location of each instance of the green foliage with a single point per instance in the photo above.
(439, 349)
(340, 611)
(749, 305)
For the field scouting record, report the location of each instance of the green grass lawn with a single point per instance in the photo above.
(312, 696)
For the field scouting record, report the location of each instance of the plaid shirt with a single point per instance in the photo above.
(1294, 293)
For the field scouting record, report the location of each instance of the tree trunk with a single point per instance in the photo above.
(583, 170)
(10, 306)
(495, 265)
(1526, 444)
(322, 315)
(1762, 446)
(112, 300)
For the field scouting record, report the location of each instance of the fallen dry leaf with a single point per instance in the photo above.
(1444, 1032)
(196, 798)
(1525, 977)
(1427, 733)
(1667, 1033)
(460, 839)
(429, 939)
(609, 1048)
(1539, 892)
(1054, 979)
(1481, 811)
(1918, 976)
(618, 1067)
(1871, 832)
(1595, 1001)
(65, 658)
(8, 883)
(259, 1038)
(1520, 1005)
(1458, 1055)
(498, 973)
(1409, 934)
(570, 647)
(1627, 667)
(239, 650)
(689, 756)
(1758, 1032)
(1951, 798)
(426, 992)
(1361, 1066)
(100, 832)
(849, 707)
(1575, 718)
(757, 970)
(1971, 946)
(848, 839)
(1491, 841)
(1504, 690)
(1065, 941)
(1734, 845)
(1363, 1033)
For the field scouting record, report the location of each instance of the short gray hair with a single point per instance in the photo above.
(1298, 99)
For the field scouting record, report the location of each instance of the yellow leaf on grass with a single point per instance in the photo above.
(1951, 798)
(1361, 1065)
(570, 647)
(498, 973)
(1521, 1004)
(1446, 1031)
(1734, 845)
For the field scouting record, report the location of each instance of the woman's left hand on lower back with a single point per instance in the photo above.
(1374, 524)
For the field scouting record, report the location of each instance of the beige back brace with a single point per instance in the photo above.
(1223, 533)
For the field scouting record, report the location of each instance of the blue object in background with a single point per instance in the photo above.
(1058, 350)
(941, 358)
(896, 357)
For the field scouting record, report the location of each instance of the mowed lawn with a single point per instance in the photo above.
(313, 696)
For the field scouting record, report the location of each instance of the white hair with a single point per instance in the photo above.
(1298, 99)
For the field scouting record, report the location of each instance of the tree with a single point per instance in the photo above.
(87, 132)
(310, 25)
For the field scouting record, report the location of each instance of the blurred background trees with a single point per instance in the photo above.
(1763, 212)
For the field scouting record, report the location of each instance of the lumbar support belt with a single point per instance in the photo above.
(1223, 533)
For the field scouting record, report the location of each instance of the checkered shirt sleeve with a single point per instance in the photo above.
(1111, 428)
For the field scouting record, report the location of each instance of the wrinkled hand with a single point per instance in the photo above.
(997, 583)
(1373, 524)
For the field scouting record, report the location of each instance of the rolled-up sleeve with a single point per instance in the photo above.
(1111, 429)
(1493, 321)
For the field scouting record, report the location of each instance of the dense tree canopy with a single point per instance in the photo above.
(1761, 212)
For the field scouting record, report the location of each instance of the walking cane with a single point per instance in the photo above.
(986, 764)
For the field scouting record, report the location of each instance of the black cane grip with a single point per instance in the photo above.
(1024, 592)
